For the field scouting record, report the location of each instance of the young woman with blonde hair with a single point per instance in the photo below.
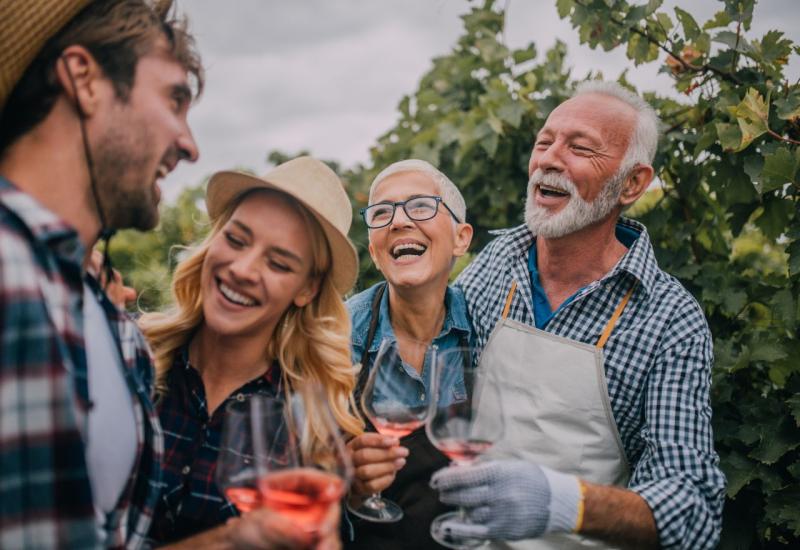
(258, 310)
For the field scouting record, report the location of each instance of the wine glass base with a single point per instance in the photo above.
(443, 536)
(378, 510)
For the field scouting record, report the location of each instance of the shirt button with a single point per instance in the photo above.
(422, 397)
(186, 469)
(239, 397)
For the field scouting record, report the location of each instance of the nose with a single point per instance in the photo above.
(187, 147)
(244, 267)
(549, 159)
(400, 219)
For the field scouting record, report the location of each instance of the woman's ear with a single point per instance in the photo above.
(307, 293)
(463, 239)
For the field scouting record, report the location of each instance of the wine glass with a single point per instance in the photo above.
(393, 404)
(466, 419)
(293, 459)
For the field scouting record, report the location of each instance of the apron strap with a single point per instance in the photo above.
(375, 308)
(509, 297)
(606, 334)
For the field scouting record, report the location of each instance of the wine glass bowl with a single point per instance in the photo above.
(235, 473)
(462, 425)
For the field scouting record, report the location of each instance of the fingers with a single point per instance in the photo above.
(372, 440)
(267, 530)
(469, 497)
(455, 477)
(460, 528)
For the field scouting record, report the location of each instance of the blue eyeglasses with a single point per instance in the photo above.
(416, 208)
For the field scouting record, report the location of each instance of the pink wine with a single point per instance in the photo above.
(396, 429)
(303, 494)
(244, 498)
(463, 451)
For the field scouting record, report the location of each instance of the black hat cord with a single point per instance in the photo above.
(105, 232)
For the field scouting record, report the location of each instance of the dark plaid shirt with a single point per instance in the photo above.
(190, 500)
(45, 491)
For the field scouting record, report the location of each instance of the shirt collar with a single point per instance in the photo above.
(44, 225)
(455, 317)
(639, 261)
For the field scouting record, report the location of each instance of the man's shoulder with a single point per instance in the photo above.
(672, 301)
(507, 243)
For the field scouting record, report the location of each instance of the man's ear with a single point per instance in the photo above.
(636, 184)
(463, 239)
(81, 78)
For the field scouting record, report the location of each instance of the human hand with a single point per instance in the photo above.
(264, 529)
(376, 459)
(509, 499)
(328, 532)
(119, 294)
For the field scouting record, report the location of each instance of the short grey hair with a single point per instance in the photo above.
(447, 189)
(644, 140)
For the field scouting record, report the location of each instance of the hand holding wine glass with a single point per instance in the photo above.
(395, 408)
(463, 426)
(269, 461)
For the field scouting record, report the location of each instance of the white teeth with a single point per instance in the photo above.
(400, 248)
(553, 189)
(234, 296)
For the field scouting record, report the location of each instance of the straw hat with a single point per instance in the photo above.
(25, 27)
(317, 188)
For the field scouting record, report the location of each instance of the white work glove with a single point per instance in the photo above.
(509, 499)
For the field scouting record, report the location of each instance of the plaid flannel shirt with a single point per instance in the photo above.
(46, 493)
(658, 365)
(191, 501)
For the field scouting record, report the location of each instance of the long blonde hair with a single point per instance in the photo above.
(311, 344)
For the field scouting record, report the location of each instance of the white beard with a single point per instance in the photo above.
(578, 213)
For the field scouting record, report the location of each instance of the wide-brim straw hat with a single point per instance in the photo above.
(25, 27)
(314, 185)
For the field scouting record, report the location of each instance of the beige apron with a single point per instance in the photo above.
(556, 407)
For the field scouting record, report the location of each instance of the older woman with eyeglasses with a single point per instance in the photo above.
(417, 229)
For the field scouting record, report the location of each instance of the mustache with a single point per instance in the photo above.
(552, 179)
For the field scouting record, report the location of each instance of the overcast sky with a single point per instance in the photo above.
(327, 75)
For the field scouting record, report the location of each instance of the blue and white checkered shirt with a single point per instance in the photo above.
(658, 366)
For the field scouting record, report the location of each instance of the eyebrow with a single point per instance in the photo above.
(274, 249)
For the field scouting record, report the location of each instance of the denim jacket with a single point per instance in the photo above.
(456, 331)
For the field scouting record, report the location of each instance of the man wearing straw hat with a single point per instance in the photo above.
(93, 103)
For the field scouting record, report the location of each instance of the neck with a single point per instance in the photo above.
(569, 263)
(225, 363)
(49, 164)
(417, 313)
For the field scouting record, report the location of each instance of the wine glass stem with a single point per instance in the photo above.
(375, 501)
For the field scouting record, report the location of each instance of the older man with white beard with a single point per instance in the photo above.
(603, 360)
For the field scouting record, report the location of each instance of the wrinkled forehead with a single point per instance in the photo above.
(593, 114)
(401, 185)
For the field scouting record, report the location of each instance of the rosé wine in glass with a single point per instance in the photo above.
(303, 494)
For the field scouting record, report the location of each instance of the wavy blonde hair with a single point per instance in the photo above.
(311, 344)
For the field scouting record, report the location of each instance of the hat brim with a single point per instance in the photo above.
(224, 187)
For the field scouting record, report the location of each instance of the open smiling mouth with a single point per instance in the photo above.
(408, 249)
(234, 297)
(548, 191)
